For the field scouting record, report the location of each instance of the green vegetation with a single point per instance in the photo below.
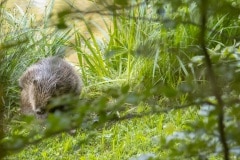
(163, 84)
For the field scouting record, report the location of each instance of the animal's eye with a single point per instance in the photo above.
(48, 103)
(58, 86)
(57, 108)
(35, 82)
(41, 111)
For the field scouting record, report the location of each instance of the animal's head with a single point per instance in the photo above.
(39, 95)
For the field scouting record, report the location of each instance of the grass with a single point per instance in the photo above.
(146, 55)
(120, 140)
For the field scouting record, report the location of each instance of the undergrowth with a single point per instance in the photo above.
(145, 93)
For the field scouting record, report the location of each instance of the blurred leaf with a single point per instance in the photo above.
(61, 24)
(147, 156)
(121, 2)
(164, 90)
(197, 59)
(125, 89)
(186, 87)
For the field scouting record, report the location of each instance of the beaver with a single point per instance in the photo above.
(48, 78)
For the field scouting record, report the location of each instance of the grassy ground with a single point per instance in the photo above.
(120, 140)
(141, 53)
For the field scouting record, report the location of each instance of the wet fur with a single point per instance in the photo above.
(48, 78)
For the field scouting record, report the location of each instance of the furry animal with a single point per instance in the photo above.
(48, 78)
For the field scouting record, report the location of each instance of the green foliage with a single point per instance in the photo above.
(163, 85)
(22, 43)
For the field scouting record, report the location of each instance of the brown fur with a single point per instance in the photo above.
(50, 77)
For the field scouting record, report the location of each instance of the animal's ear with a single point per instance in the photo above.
(20, 84)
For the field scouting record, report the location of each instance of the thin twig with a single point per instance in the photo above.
(213, 81)
(103, 12)
(2, 135)
(2, 3)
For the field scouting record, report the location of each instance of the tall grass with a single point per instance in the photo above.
(137, 51)
(24, 40)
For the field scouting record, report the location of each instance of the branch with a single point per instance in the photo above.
(2, 149)
(103, 12)
(2, 3)
(213, 81)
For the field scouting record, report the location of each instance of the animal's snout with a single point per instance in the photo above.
(40, 111)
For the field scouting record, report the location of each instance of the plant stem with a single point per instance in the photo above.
(2, 150)
(213, 81)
